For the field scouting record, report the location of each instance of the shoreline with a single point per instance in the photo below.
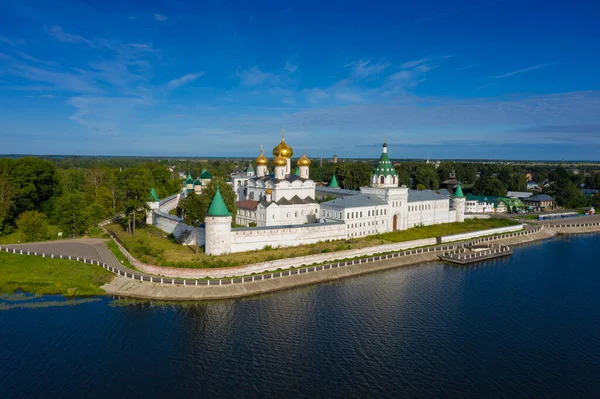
(128, 288)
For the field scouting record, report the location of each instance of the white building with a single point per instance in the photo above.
(280, 208)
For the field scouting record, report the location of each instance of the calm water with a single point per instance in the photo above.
(525, 326)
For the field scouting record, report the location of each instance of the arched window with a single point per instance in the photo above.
(382, 180)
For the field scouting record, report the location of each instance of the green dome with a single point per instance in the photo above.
(197, 182)
(217, 206)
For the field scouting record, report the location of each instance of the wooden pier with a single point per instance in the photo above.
(475, 253)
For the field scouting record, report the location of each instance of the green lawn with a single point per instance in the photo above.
(438, 230)
(17, 237)
(38, 275)
(152, 246)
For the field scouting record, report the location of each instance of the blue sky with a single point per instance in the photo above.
(513, 79)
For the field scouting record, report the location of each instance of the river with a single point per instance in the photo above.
(522, 326)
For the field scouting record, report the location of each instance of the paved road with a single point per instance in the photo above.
(575, 220)
(89, 248)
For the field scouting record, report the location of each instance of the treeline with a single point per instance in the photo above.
(36, 192)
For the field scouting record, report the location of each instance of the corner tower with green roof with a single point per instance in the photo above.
(333, 183)
(459, 202)
(384, 174)
(217, 228)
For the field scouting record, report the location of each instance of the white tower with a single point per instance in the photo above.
(384, 174)
(280, 167)
(459, 203)
(303, 165)
(261, 163)
(217, 227)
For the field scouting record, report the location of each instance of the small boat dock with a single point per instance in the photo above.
(475, 253)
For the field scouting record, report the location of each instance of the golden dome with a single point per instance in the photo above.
(280, 161)
(262, 160)
(304, 161)
(268, 191)
(283, 149)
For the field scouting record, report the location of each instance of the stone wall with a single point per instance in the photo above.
(279, 263)
(182, 232)
(169, 203)
(466, 236)
(248, 239)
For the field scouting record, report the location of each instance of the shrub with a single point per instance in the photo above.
(33, 224)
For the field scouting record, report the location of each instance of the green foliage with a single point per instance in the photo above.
(195, 207)
(71, 214)
(567, 194)
(595, 201)
(34, 181)
(34, 225)
(487, 185)
(352, 175)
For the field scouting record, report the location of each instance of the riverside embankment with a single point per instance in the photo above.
(276, 281)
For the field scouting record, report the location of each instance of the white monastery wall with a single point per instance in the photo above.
(248, 239)
(466, 236)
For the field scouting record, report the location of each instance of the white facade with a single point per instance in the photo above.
(474, 206)
(283, 212)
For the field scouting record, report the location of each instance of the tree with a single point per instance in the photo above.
(6, 197)
(426, 175)
(596, 201)
(33, 224)
(34, 180)
(71, 214)
(134, 183)
(487, 185)
(567, 194)
(353, 175)
(199, 204)
(195, 209)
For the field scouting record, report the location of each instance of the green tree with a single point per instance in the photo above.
(567, 194)
(34, 180)
(426, 175)
(595, 201)
(134, 184)
(353, 175)
(71, 214)
(194, 211)
(33, 224)
(487, 185)
(6, 197)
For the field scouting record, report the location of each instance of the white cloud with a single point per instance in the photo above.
(518, 71)
(316, 96)
(185, 79)
(290, 68)
(253, 77)
(364, 68)
(59, 34)
(160, 17)
(413, 63)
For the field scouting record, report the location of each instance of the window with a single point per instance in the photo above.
(382, 180)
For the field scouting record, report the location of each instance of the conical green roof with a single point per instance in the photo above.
(250, 168)
(384, 166)
(297, 171)
(189, 179)
(217, 206)
(153, 196)
(197, 182)
(333, 182)
(205, 174)
(458, 193)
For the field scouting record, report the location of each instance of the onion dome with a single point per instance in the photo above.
(304, 161)
(283, 149)
(280, 161)
(262, 160)
(268, 191)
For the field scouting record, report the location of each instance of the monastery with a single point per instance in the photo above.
(280, 208)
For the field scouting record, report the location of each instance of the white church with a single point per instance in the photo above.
(280, 208)
(286, 198)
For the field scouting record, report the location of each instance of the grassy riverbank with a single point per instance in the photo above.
(38, 275)
(150, 245)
